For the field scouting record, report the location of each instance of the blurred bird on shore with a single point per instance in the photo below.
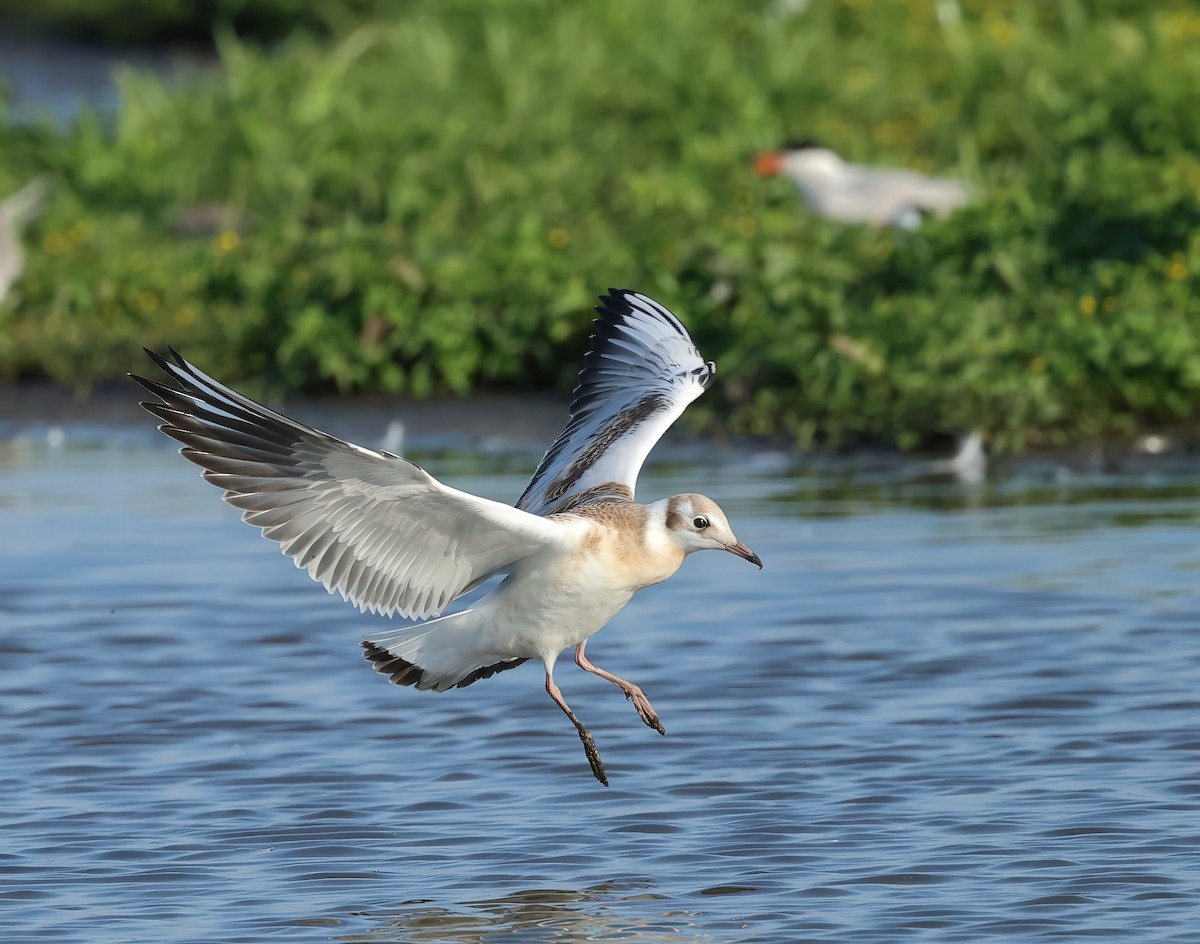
(968, 464)
(855, 193)
(16, 211)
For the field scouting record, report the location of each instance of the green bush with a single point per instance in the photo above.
(431, 203)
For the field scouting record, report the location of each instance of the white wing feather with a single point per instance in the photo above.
(376, 528)
(641, 373)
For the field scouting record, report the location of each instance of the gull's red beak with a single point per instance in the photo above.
(768, 164)
(742, 551)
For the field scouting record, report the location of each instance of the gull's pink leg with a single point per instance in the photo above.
(589, 745)
(640, 701)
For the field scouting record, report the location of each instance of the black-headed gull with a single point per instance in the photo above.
(392, 539)
(855, 193)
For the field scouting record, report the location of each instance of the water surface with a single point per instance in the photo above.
(943, 712)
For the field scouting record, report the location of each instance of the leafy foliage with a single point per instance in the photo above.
(430, 203)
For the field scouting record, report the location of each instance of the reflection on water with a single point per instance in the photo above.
(961, 711)
(568, 917)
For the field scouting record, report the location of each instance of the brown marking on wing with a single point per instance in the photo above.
(604, 492)
(607, 491)
(622, 423)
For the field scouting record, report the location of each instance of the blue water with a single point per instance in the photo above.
(53, 80)
(943, 712)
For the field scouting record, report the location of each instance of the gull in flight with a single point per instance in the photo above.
(392, 539)
(856, 193)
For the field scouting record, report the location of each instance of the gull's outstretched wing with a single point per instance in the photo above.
(640, 374)
(375, 527)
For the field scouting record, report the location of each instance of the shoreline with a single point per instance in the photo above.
(525, 425)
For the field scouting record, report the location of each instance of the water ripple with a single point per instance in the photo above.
(931, 718)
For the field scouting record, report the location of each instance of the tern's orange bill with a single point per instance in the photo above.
(768, 164)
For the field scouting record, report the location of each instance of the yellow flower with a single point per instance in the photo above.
(226, 242)
(147, 301)
(559, 237)
(183, 316)
(1037, 365)
(1087, 305)
(1177, 268)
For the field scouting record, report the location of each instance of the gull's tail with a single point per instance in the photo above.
(449, 652)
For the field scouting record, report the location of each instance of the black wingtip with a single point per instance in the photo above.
(158, 359)
(612, 311)
(396, 669)
(153, 386)
(618, 304)
(614, 301)
(144, 382)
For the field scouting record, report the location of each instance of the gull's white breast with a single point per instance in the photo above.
(558, 599)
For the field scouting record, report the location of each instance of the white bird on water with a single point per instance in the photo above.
(856, 193)
(392, 539)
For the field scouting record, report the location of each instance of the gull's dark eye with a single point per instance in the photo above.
(699, 522)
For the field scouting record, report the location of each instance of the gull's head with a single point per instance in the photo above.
(696, 523)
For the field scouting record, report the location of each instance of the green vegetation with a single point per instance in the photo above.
(429, 204)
